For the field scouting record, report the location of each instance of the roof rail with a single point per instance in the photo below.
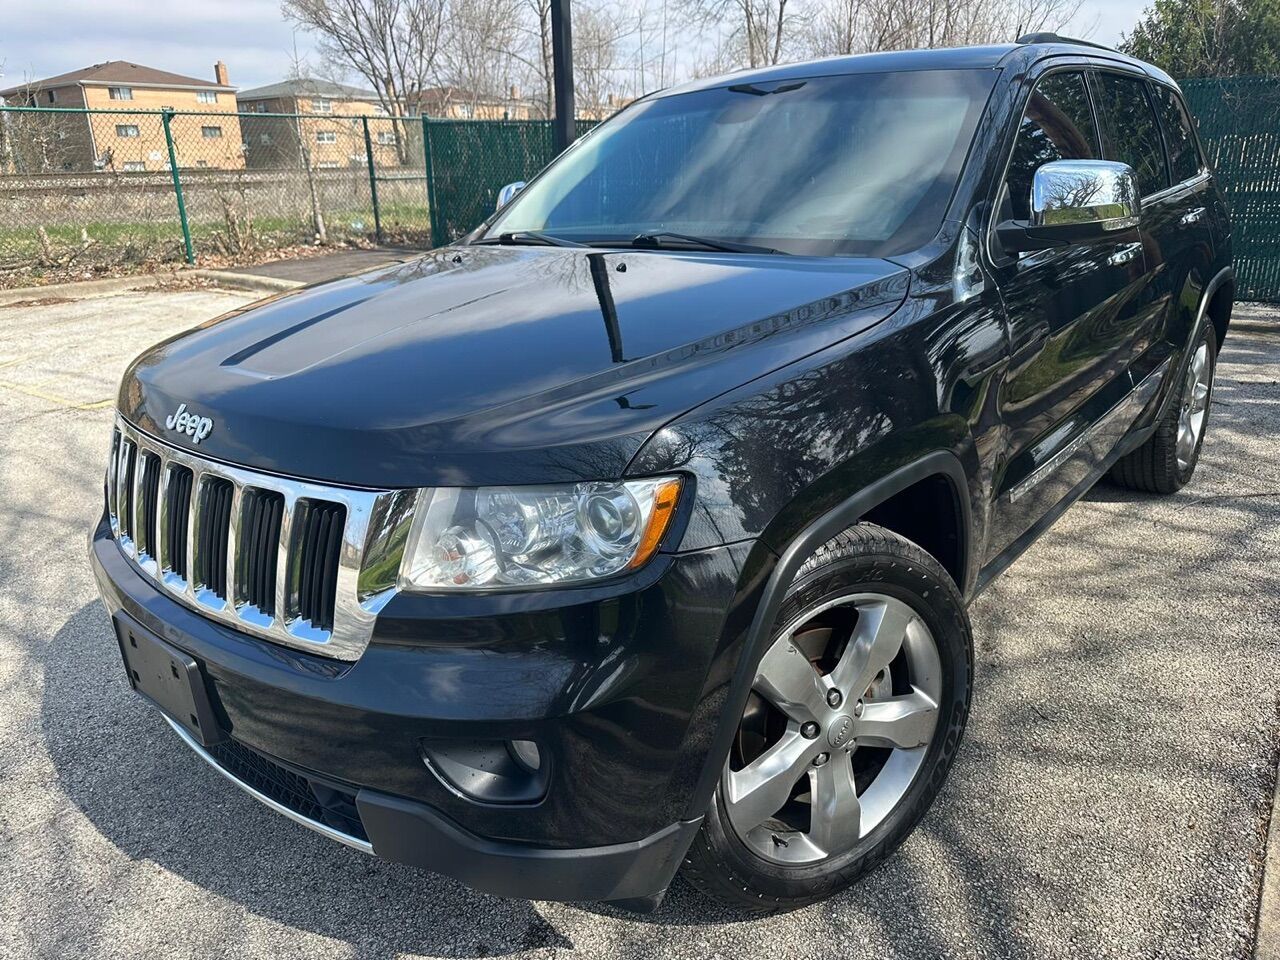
(1056, 38)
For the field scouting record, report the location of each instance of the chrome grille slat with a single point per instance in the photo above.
(272, 500)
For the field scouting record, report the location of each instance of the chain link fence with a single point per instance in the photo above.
(107, 189)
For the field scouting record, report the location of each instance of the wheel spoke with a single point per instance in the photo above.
(876, 640)
(835, 822)
(787, 679)
(758, 791)
(906, 721)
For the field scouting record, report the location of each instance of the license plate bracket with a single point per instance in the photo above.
(169, 678)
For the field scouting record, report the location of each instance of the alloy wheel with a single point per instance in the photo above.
(842, 712)
(1195, 406)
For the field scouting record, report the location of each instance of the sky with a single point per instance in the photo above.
(42, 38)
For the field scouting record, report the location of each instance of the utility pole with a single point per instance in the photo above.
(562, 128)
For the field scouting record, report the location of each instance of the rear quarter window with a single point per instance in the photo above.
(1184, 154)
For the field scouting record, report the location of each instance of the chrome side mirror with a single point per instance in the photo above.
(1076, 202)
(506, 194)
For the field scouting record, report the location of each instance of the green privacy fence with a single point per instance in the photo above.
(1240, 125)
(471, 160)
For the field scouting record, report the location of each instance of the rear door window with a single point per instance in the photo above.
(1180, 140)
(1056, 125)
(1132, 132)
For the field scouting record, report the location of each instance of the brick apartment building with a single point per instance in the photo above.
(122, 142)
(322, 124)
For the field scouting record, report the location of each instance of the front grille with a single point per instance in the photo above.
(212, 534)
(148, 534)
(274, 557)
(320, 542)
(325, 802)
(177, 518)
(259, 543)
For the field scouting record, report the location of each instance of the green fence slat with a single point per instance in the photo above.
(1239, 120)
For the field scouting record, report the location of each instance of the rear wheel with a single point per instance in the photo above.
(1165, 463)
(856, 710)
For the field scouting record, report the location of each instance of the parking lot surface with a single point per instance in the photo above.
(1111, 798)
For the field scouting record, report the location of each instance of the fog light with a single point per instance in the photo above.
(526, 754)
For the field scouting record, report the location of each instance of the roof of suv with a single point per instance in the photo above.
(950, 58)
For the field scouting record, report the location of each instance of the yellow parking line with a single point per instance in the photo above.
(54, 398)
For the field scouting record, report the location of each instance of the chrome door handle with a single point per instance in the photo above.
(1192, 216)
(1124, 254)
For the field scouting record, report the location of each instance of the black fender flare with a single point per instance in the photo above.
(804, 545)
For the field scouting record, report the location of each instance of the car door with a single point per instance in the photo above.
(1174, 215)
(1180, 222)
(1071, 315)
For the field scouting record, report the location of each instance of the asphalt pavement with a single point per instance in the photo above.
(1111, 798)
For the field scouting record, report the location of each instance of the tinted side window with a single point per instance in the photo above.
(1057, 125)
(1184, 157)
(1133, 135)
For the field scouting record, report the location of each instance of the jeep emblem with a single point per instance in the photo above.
(838, 734)
(197, 428)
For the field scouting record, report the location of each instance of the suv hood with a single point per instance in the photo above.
(494, 364)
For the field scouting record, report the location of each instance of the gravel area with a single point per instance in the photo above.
(1111, 799)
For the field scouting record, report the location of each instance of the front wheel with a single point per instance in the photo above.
(855, 713)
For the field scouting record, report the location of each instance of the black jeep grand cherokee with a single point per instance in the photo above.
(636, 530)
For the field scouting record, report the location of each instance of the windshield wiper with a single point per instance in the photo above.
(656, 240)
(525, 237)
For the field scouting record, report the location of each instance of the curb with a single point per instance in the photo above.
(85, 288)
(1266, 943)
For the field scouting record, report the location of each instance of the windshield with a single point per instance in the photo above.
(862, 164)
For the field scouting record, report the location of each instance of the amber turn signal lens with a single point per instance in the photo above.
(664, 508)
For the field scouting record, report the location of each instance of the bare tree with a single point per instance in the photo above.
(393, 44)
(757, 29)
(860, 26)
(478, 58)
(598, 33)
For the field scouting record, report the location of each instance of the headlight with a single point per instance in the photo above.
(504, 537)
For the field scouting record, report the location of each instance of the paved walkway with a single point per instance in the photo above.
(328, 266)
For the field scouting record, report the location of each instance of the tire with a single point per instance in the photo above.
(1165, 463)
(862, 584)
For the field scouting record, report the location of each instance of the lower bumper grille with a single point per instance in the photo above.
(323, 802)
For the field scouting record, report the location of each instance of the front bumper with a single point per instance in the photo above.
(610, 686)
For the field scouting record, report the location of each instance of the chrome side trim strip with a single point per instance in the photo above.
(323, 829)
(1042, 472)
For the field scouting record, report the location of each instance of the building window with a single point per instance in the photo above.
(126, 130)
(53, 96)
(134, 166)
(202, 163)
(322, 105)
(206, 96)
(211, 133)
(326, 136)
(260, 107)
(327, 165)
(264, 138)
(120, 93)
(387, 138)
(466, 111)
